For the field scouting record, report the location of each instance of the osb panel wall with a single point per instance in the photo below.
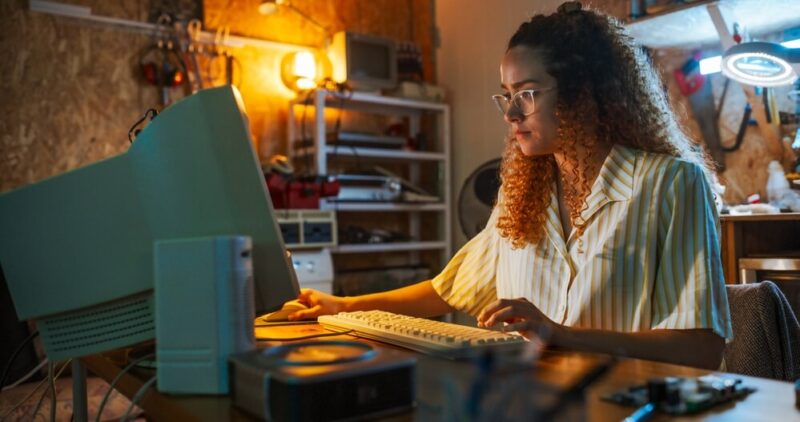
(69, 93)
(746, 168)
(71, 89)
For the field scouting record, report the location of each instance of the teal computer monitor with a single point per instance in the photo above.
(77, 249)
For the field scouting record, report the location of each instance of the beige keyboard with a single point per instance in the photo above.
(420, 334)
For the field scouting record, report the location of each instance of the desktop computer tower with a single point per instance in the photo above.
(203, 311)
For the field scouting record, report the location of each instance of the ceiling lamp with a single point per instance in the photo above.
(761, 63)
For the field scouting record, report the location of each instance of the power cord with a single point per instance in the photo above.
(133, 132)
(52, 390)
(335, 333)
(35, 389)
(26, 376)
(116, 380)
(138, 396)
(15, 354)
(50, 369)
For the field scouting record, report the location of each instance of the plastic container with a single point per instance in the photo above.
(777, 185)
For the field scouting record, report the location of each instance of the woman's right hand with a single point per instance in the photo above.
(318, 303)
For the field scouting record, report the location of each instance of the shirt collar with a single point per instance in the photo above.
(615, 181)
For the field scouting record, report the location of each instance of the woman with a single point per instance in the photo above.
(605, 232)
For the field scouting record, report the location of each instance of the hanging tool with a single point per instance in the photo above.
(193, 32)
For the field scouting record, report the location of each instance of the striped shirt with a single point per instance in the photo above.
(649, 256)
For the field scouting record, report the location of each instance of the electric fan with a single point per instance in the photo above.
(477, 197)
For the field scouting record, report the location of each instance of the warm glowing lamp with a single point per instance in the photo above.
(268, 7)
(303, 70)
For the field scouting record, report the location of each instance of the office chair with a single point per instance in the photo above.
(766, 333)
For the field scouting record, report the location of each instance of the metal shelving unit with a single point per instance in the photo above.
(319, 153)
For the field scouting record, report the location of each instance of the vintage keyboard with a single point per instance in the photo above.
(423, 335)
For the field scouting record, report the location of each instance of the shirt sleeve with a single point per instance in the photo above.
(467, 283)
(689, 291)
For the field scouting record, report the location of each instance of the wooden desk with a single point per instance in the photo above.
(756, 235)
(774, 400)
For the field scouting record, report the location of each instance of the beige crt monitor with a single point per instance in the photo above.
(364, 62)
(78, 249)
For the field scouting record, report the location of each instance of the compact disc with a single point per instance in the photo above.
(321, 352)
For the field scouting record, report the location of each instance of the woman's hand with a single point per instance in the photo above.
(518, 315)
(318, 304)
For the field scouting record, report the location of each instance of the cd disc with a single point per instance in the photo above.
(321, 352)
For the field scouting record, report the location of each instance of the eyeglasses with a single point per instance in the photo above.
(522, 100)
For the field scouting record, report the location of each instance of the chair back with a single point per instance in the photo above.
(766, 333)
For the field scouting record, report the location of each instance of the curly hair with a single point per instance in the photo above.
(604, 77)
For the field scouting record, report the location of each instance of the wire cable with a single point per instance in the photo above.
(26, 376)
(35, 389)
(15, 354)
(52, 393)
(335, 333)
(116, 380)
(136, 397)
(133, 132)
(41, 399)
(38, 406)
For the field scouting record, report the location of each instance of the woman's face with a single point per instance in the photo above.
(523, 68)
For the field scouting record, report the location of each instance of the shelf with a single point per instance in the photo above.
(319, 154)
(396, 102)
(361, 152)
(374, 103)
(388, 247)
(381, 206)
(690, 26)
(204, 37)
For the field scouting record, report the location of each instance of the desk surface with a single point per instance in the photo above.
(784, 216)
(774, 400)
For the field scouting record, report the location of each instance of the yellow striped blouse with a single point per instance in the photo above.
(649, 257)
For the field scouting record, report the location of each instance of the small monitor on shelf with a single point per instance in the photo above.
(78, 249)
(364, 62)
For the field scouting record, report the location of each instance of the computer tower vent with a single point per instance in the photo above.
(93, 330)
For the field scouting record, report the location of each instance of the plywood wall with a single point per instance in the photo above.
(69, 93)
(72, 89)
(745, 171)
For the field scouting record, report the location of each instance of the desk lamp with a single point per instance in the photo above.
(762, 64)
(303, 70)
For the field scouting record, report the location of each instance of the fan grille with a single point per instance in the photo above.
(99, 328)
(477, 197)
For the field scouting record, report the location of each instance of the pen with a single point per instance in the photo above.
(642, 414)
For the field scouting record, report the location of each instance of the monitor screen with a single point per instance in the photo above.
(370, 60)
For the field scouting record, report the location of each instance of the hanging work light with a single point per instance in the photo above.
(761, 63)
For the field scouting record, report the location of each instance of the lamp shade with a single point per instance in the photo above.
(268, 7)
(304, 70)
(760, 63)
